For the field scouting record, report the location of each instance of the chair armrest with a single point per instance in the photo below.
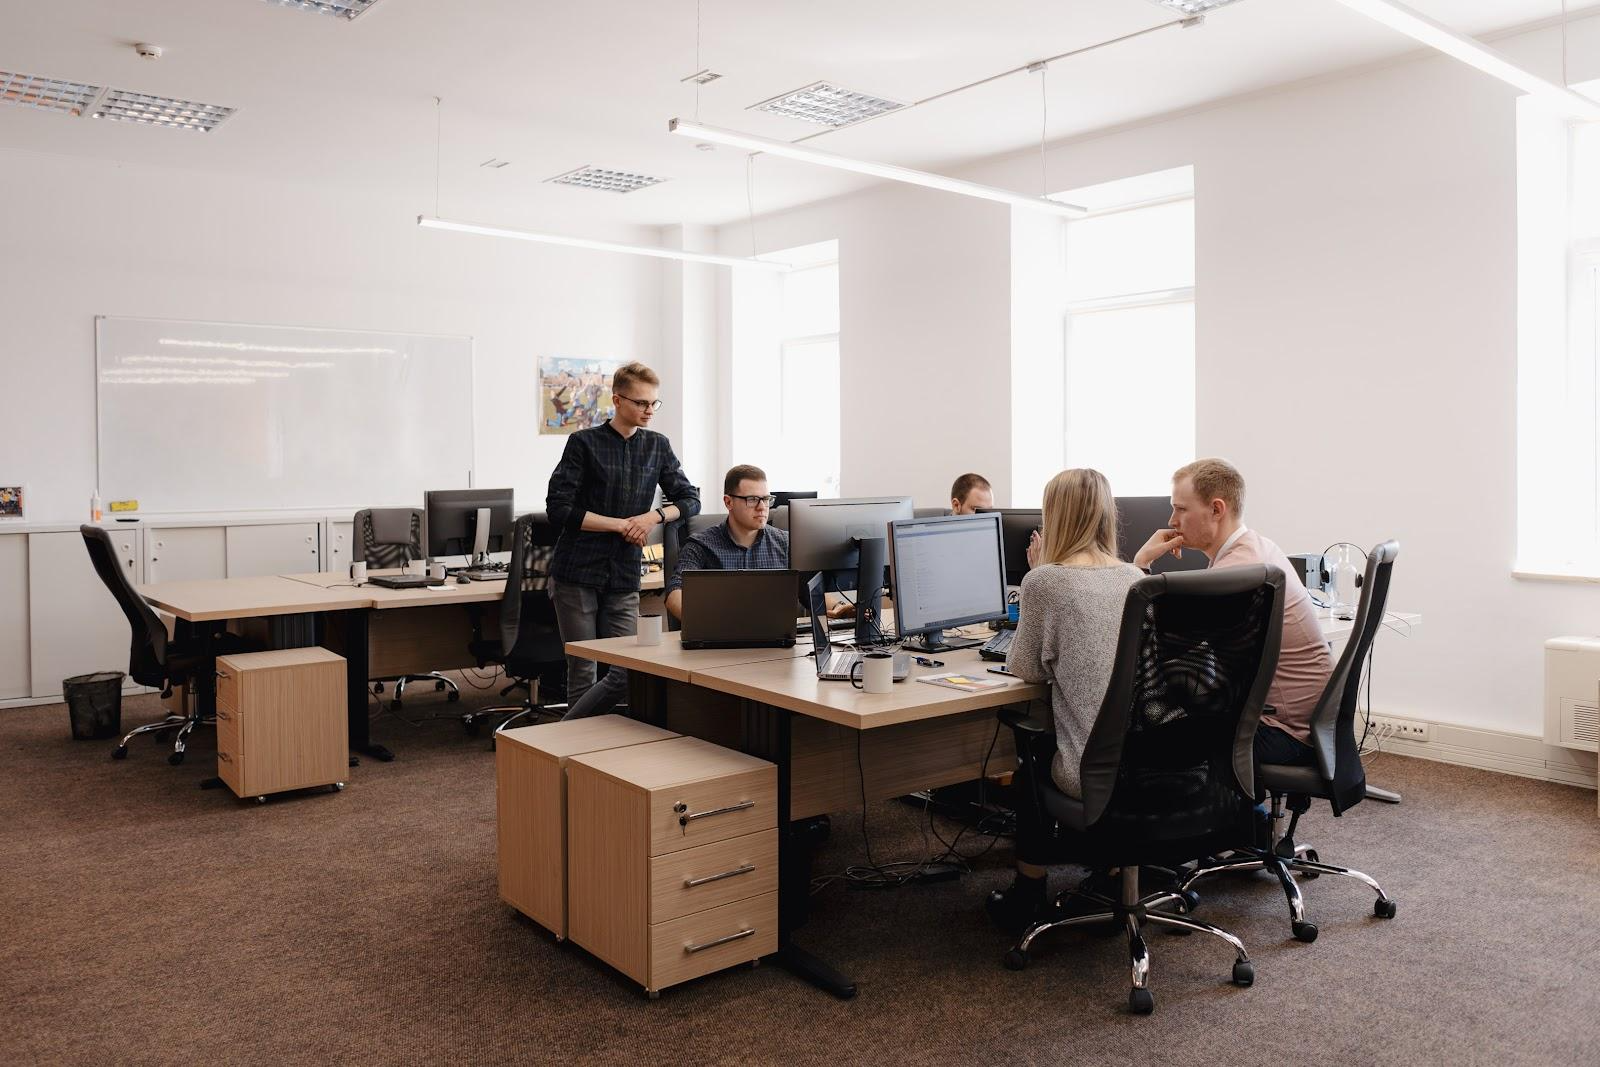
(1017, 717)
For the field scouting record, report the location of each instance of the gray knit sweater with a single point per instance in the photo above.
(1067, 636)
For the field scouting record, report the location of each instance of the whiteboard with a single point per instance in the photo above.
(214, 416)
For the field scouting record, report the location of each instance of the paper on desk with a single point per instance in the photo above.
(970, 683)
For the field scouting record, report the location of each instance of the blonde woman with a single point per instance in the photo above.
(1066, 635)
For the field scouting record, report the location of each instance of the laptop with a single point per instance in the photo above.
(404, 581)
(738, 609)
(834, 665)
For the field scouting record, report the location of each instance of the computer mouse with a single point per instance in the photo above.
(462, 579)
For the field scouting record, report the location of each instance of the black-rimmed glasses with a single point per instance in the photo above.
(644, 405)
(755, 501)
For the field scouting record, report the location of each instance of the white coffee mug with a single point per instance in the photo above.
(416, 566)
(876, 672)
(358, 571)
(649, 631)
(436, 572)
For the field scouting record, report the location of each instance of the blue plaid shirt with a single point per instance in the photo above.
(715, 549)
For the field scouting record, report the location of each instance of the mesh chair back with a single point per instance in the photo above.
(389, 536)
(528, 632)
(1171, 750)
(1333, 731)
(147, 652)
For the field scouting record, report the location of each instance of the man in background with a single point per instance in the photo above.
(743, 541)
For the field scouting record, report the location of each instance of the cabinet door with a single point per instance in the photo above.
(337, 558)
(13, 616)
(282, 548)
(76, 625)
(185, 553)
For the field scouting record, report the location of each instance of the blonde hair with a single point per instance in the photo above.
(1080, 516)
(1215, 479)
(629, 373)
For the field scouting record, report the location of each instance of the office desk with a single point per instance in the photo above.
(1339, 629)
(831, 742)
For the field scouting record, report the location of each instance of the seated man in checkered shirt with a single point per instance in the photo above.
(743, 541)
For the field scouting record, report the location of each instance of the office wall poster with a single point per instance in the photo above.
(11, 501)
(574, 394)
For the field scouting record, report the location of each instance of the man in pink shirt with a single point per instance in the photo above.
(1208, 514)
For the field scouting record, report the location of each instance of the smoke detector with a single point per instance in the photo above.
(148, 51)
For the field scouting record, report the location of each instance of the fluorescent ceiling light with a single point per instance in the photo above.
(122, 105)
(428, 222)
(47, 94)
(886, 171)
(344, 9)
(1193, 7)
(1437, 35)
(827, 105)
(606, 181)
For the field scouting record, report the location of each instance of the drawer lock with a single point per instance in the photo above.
(685, 816)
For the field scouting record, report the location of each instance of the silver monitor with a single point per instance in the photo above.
(948, 571)
(821, 532)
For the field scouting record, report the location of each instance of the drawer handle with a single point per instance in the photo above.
(223, 677)
(224, 757)
(685, 816)
(224, 716)
(691, 949)
(690, 883)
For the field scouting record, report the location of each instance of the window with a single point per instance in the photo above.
(1130, 333)
(786, 371)
(1558, 344)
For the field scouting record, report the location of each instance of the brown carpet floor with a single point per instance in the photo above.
(146, 921)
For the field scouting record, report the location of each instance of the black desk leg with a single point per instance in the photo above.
(768, 733)
(355, 680)
(647, 698)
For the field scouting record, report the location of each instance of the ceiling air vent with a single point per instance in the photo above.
(1193, 7)
(122, 105)
(344, 9)
(47, 94)
(827, 105)
(610, 181)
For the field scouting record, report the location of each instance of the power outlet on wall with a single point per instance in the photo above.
(1388, 727)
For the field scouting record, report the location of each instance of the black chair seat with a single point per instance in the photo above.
(1302, 781)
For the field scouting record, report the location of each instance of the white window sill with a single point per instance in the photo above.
(1582, 577)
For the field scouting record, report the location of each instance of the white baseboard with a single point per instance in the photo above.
(1525, 755)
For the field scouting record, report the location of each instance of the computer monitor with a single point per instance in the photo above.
(948, 571)
(1016, 529)
(783, 496)
(453, 527)
(1140, 516)
(845, 540)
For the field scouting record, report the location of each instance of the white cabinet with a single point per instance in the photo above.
(185, 553)
(280, 548)
(339, 554)
(13, 616)
(76, 625)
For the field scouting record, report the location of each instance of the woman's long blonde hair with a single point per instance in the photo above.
(1080, 517)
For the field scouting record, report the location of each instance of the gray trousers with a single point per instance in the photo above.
(584, 613)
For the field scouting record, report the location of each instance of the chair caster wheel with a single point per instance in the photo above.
(438, 687)
(1190, 902)
(175, 758)
(396, 703)
(1244, 972)
(452, 696)
(1141, 1001)
(1310, 855)
(469, 726)
(1016, 960)
(377, 687)
(120, 752)
(338, 787)
(1383, 908)
(1304, 931)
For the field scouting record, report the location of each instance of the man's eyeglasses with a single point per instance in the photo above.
(644, 405)
(756, 501)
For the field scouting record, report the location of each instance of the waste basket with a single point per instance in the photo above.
(95, 703)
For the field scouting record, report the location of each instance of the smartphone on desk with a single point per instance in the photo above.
(1001, 668)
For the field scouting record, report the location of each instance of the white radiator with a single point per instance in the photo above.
(1572, 692)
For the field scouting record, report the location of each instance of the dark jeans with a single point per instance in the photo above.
(1275, 746)
(584, 613)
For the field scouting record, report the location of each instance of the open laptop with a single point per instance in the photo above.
(833, 665)
(738, 609)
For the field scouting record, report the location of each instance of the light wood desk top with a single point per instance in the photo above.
(1338, 629)
(793, 685)
(670, 659)
(245, 598)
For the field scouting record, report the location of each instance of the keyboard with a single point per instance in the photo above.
(998, 645)
(482, 575)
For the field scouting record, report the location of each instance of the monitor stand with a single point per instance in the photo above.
(935, 641)
(871, 553)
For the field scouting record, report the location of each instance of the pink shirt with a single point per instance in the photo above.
(1304, 665)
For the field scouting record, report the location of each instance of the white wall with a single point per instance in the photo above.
(1356, 351)
(80, 238)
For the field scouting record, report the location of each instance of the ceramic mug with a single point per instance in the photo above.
(649, 631)
(358, 571)
(876, 672)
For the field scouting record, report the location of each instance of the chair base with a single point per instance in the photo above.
(1134, 912)
(1283, 859)
(451, 691)
(185, 725)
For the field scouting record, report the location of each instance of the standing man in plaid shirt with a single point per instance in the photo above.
(600, 496)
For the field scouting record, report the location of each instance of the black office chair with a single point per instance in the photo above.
(1337, 777)
(1166, 772)
(672, 540)
(528, 646)
(159, 661)
(389, 538)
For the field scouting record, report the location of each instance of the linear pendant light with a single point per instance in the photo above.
(431, 223)
(1437, 35)
(887, 171)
